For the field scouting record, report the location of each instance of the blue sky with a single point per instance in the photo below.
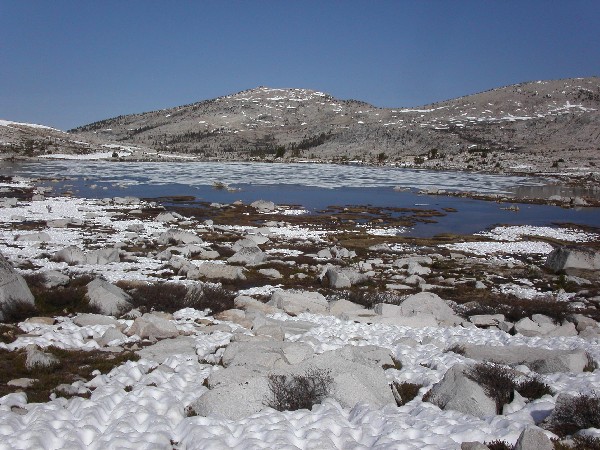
(67, 63)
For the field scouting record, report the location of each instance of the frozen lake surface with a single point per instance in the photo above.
(312, 186)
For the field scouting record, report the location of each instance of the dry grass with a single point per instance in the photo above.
(513, 308)
(365, 297)
(15, 311)
(73, 365)
(61, 300)
(171, 297)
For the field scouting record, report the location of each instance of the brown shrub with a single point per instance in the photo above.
(499, 445)
(497, 381)
(578, 413)
(14, 311)
(533, 388)
(171, 297)
(513, 308)
(404, 392)
(68, 299)
(293, 392)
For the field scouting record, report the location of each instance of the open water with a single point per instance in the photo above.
(311, 186)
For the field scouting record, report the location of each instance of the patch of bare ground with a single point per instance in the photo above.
(73, 365)
(171, 297)
(60, 300)
(485, 301)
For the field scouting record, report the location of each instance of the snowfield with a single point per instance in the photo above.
(150, 413)
(145, 404)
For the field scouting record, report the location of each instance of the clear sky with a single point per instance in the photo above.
(66, 63)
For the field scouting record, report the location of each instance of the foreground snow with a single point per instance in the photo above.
(141, 405)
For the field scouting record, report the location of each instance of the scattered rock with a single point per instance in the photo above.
(458, 392)
(53, 279)
(13, 288)
(153, 325)
(271, 273)
(249, 256)
(109, 336)
(180, 345)
(263, 205)
(73, 255)
(214, 271)
(34, 237)
(564, 258)
(427, 303)
(250, 304)
(335, 278)
(296, 302)
(342, 306)
(244, 243)
(236, 316)
(41, 320)
(533, 438)
(23, 383)
(166, 217)
(537, 359)
(110, 299)
(174, 236)
(37, 359)
(85, 320)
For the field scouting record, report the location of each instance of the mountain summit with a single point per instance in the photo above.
(552, 120)
(527, 117)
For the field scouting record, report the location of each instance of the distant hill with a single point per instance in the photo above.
(542, 117)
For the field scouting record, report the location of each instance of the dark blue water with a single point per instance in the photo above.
(471, 216)
(282, 185)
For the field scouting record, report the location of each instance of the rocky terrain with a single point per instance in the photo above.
(257, 326)
(541, 126)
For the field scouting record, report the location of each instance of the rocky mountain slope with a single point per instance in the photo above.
(27, 139)
(543, 116)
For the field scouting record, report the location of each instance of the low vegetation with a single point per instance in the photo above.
(578, 413)
(293, 392)
(500, 383)
(171, 297)
(60, 300)
(405, 392)
(72, 365)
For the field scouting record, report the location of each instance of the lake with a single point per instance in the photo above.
(312, 186)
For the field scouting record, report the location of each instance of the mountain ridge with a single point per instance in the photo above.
(548, 119)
